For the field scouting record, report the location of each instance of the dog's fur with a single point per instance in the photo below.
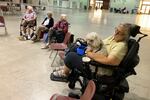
(94, 41)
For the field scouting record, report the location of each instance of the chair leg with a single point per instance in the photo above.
(6, 31)
(54, 58)
(51, 53)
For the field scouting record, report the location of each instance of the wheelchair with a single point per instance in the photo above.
(24, 36)
(110, 87)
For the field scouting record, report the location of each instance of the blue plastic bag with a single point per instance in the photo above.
(81, 50)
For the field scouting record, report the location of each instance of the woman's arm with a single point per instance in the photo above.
(108, 60)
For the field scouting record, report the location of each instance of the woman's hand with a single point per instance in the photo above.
(89, 54)
(88, 50)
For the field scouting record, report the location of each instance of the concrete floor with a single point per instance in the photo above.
(25, 68)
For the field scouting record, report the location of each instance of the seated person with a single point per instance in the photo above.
(59, 30)
(29, 20)
(116, 46)
(46, 24)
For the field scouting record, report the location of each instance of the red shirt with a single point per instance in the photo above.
(62, 24)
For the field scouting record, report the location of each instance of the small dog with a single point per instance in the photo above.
(95, 44)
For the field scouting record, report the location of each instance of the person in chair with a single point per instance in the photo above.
(45, 26)
(29, 19)
(116, 47)
(59, 30)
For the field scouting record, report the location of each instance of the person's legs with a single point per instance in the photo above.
(51, 34)
(70, 63)
(41, 29)
(29, 31)
(60, 36)
(73, 60)
(25, 23)
(38, 32)
(31, 25)
(45, 41)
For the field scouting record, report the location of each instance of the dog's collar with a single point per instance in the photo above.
(100, 47)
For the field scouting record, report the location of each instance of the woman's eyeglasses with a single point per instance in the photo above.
(119, 32)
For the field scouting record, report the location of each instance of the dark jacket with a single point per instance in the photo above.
(50, 24)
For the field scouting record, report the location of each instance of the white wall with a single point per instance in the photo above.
(16, 1)
(74, 3)
(129, 4)
(50, 2)
(35, 2)
(65, 4)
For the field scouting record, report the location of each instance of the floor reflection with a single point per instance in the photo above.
(98, 16)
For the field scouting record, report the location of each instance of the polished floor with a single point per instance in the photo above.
(25, 67)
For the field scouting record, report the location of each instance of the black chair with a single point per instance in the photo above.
(111, 87)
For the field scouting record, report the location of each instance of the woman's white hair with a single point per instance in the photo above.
(63, 16)
(30, 8)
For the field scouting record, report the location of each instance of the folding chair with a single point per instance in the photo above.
(4, 8)
(61, 54)
(87, 95)
(2, 21)
(59, 46)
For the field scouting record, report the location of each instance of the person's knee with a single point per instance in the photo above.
(40, 28)
(73, 60)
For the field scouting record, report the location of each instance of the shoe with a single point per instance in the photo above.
(34, 38)
(58, 76)
(25, 37)
(21, 38)
(45, 47)
(58, 68)
(28, 37)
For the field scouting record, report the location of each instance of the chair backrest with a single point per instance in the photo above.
(2, 20)
(67, 38)
(131, 59)
(1, 12)
(4, 8)
(126, 67)
(89, 91)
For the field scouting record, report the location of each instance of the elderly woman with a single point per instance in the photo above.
(45, 26)
(116, 46)
(29, 20)
(59, 30)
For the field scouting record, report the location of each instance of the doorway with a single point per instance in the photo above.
(145, 7)
(99, 4)
(103, 4)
